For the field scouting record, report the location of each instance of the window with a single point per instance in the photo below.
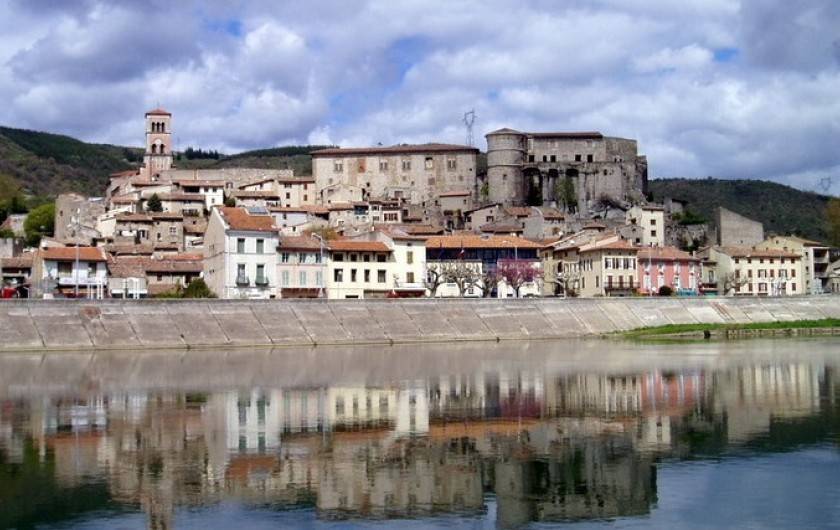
(284, 257)
(409, 257)
(352, 275)
(653, 233)
(531, 158)
(406, 165)
(380, 258)
(318, 258)
(383, 165)
(366, 258)
(578, 158)
(261, 246)
(173, 230)
(653, 222)
(338, 257)
(302, 278)
(319, 278)
(451, 164)
(338, 166)
(240, 271)
(240, 245)
(429, 163)
(367, 275)
(409, 277)
(338, 275)
(589, 158)
(288, 195)
(554, 158)
(354, 257)
(380, 276)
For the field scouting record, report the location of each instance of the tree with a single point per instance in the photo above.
(832, 213)
(198, 289)
(485, 191)
(489, 282)
(665, 291)
(463, 275)
(564, 193)
(40, 222)
(154, 204)
(434, 277)
(230, 202)
(732, 283)
(516, 273)
(325, 232)
(567, 281)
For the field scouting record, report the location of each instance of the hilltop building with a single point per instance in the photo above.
(418, 174)
(530, 167)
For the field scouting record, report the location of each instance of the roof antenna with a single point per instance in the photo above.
(469, 120)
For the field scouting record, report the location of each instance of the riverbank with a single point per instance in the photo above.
(826, 326)
(40, 325)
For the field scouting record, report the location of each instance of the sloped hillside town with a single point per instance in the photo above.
(563, 214)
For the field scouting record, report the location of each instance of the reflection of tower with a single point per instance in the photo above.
(158, 155)
(505, 157)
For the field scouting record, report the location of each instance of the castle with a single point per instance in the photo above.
(579, 169)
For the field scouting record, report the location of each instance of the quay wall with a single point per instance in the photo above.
(154, 324)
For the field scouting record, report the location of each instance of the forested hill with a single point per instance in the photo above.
(781, 208)
(47, 164)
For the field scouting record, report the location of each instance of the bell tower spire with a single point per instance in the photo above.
(158, 155)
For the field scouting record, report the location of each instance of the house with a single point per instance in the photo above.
(746, 271)
(815, 260)
(668, 266)
(561, 262)
(240, 253)
(133, 228)
(481, 215)
(651, 218)
(16, 273)
(127, 277)
(70, 272)
(183, 203)
(172, 272)
(608, 267)
(168, 229)
(213, 191)
(834, 277)
(472, 265)
(302, 267)
(294, 220)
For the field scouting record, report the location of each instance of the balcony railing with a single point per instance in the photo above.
(262, 281)
(243, 281)
(80, 280)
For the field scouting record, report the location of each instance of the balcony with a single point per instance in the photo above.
(261, 281)
(80, 280)
(243, 281)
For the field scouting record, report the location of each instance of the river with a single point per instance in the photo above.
(589, 434)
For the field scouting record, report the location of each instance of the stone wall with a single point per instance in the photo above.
(113, 324)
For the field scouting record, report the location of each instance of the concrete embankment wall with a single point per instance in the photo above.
(115, 324)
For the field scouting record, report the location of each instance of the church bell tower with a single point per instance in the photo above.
(158, 155)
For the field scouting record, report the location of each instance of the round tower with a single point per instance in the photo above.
(505, 158)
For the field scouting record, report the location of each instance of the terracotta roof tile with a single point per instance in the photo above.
(201, 183)
(158, 112)
(239, 219)
(134, 218)
(17, 262)
(477, 241)
(264, 194)
(300, 243)
(455, 193)
(746, 252)
(665, 254)
(69, 254)
(352, 245)
(395, 149)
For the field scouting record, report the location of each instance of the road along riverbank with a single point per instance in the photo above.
(41, 325)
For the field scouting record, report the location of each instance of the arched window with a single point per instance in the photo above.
(162, 126)
(154, 149)
(162, 149)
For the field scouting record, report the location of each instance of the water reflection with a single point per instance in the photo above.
(532, 434)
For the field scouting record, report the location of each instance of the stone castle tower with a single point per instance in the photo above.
(528, 167)
(158, 155)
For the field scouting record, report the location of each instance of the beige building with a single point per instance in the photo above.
(744, 271)
(416, 173)
(302, 267)
(651, 219)
(815, 260)
(608, 268)
(240, 254)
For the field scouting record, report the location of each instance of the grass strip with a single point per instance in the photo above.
(677, 329)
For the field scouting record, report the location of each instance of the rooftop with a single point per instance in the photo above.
(475, 241)
(747, 252)
(455, 193)
(353, 245)
(665, 254)
(18, 262)
(69, 254)
(396, 149)
(158, 112)
(300, 243)
(239, 219)
(203, 183)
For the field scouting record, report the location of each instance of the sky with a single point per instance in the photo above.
(725, 88)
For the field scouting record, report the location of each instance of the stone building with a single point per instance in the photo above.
(528, 167)
(736, 230)
(76, 217)
(415, 173)
(158, 156)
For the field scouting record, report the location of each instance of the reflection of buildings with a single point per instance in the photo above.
(550, 446)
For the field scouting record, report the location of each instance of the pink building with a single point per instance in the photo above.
(669, 266)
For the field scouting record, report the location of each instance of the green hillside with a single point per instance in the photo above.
(46, 164)
(781, 208)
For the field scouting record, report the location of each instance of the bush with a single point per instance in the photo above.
(198, 289)
(154, 204)
(40, 222)
(665, 291)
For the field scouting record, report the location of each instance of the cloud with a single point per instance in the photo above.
(729, 88)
